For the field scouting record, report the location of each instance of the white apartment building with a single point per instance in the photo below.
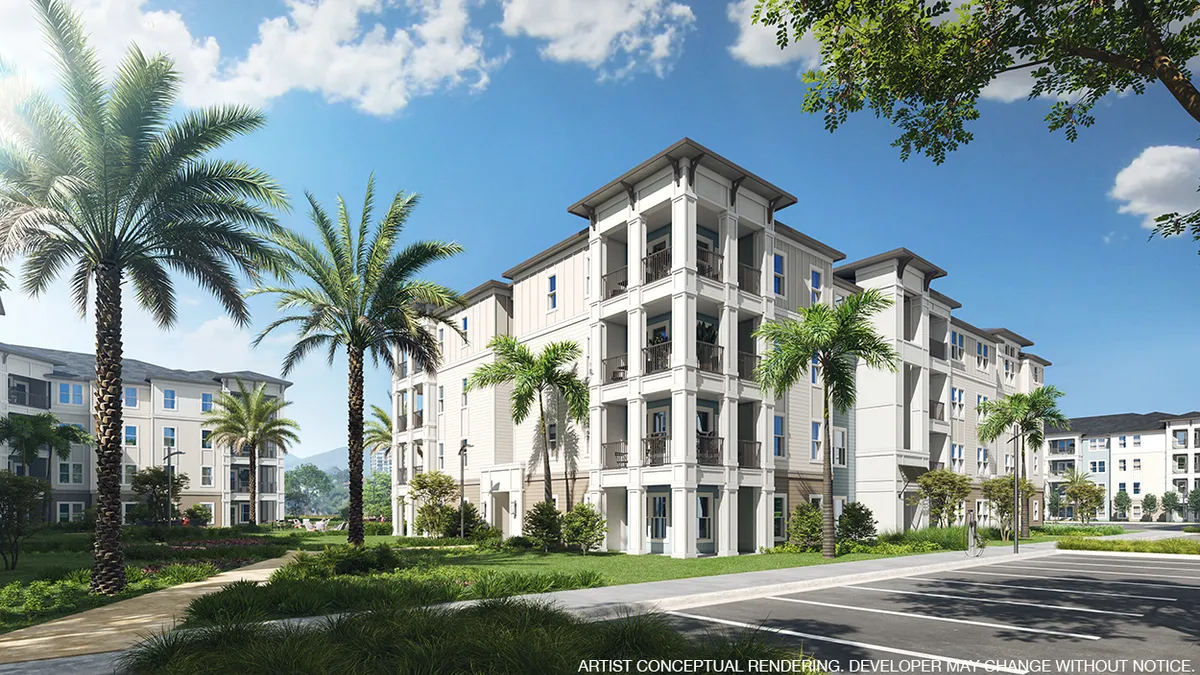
(681, 261)
(1138, 454)
(163, 412)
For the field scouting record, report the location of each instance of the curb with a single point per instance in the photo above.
(1188, 557)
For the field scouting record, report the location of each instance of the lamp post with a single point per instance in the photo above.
(462, 492)
(170, 476)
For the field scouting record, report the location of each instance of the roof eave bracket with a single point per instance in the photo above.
(733, 191)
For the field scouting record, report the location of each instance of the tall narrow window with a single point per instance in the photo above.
(815, 287)
(704, 517)
(813, 372)
(780, 516)
(168, 399)
(130, 435)
(464, 324)
(168, 437)
(206, 402)
(779, 439)
(552, 293)
(815, 453)
(780, 285)
(441, 398)
(205, 440)
(464, 392)
(131, 397)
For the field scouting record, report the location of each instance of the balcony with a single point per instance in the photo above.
(402, 475)
(266, 487)
(937, 350)
(19, 396)
(937, 411)
(418, 419)
(616, 455)
(658, 358)
(708, 450)
(709, 356)
(746, 363)
(748, 279)
(1068, 450)
(656, 266)
(749, 454)
(418, 468)
(240, 487)
(655, 450)
(1177, 444)
(403, 370)
(1179, 464)
(615, 368)
(402, 422)
(709, 264)
(615, 283)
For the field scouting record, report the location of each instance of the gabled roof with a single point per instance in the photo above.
(904, 256)
(689, 149)
(78, 366)
(1004, 332)
(1102, 425)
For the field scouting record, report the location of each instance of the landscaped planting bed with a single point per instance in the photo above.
(1175, 545)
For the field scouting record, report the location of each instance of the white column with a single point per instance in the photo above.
(727, 338)
(729, 247)
(683, 330)
(683, 427)
(729, 429)
(597, 436)
(636, 340)
(764, 518)
(636, 424)
(766, 434)
(683, 225)
(727, 521)
(596, 266)
(635, 509)
(636, 248)
(683, 522)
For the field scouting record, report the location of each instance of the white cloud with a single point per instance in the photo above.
(1162, 179)
(755, 44)
(329, 47)
(614, 37)
(1108, 238)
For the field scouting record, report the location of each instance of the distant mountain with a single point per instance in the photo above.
(325, 461)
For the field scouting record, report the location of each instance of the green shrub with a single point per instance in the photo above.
(883, 548)
(952, 538)
(518, 543)
(374, 528)
(583, 526)
(856, 523)
(804, 528)
(1056, 530)
(543, 526)
(434, 518)
(199, 514)
(342, 560)
(466, 516)
(1175, 545)
(1194, 529)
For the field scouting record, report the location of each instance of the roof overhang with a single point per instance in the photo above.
(903, 257)
(573, 240)
(945, 299)
(805, 240)
(1035, 357)
(1019, 339)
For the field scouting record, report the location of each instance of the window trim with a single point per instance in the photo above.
(779, 436)
(174, 398)
(464, 393)
(70, 511)
(779, 274)
(704, 497)
(205, 435)
(211, 476)
(817, 443)
(782, 518)
(125, 398)
(126, 474)
(815, 295)
(174, 438)
(552, 293)
(125, 436)
(843, 451)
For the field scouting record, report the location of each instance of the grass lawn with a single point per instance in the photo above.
(34, 566)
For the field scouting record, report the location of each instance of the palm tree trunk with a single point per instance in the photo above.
(253, 484)
(108, 560)
(545, 449)
(1024, 497)
(354, 520)
(828, 531)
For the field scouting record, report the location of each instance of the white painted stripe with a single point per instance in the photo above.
(985, 624)
(1085, 579)
(994, 600)
(1109, 562)
(1091, 571)
(861, 645)
(1047, 590)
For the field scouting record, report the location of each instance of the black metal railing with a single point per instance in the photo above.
(418, 468)
(616, 282)
(937, 349)
(31, 399)
(938, 466)
(709, 356)
(655, 450)
(616, 455)
(658, 358)
(404, 369)
(240, 487)
(937, 410)
(402, 475)
(708, 451)
(709, 264)
(749, 278)
(749, 454)
(616, 368)
(657, 265)
(418, 419)
(266, 486)
(402, 422)
(746, 364)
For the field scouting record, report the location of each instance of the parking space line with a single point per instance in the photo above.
(1022, 603)
(1143, 566)
(1048, 590)
(1099, 581)
(1090, 571)
(991, 668)
(986, 624)
(1109, 559)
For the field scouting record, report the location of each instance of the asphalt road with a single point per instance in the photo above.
(1063, 613)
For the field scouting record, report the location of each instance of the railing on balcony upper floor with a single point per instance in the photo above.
(709, 356)
(402, 422)
(937, 410)
(616, 455)
(266, 486)
(936, 466)
(418, 468)
(937, 349)
(708, 450)
(750, 454)
(239, 453)
(403, 369)
(615, 283)
(31, 399)
(709, 264)
(1057, 450)
(655, 450)
(749, 279)
(240, 487)
(402, 475)
(657, 265)
(616, 368)
(746, 364)
(657, 357)
(418, 419)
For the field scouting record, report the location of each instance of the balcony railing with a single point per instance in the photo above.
(937, 410)
(616, 455)
(937, 349)
(240, 453)
(404, 369)
(709, 356)
(18, 396)
(709, 264)
(616, 368)
(657, 265)
(747, 362)
(418, 468)
(402, 422)
(1175, 468)
(655, 450)
(1069, 450)
(748, 279)
(658, 358)
(418, 419)
(266, 487)
(936, 466)
(240, 488)
(708, 450)
(402, 475)
(616, 282)
(749, 454)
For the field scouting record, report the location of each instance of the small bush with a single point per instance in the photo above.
(467, 516)
(199, 514)
(856, 523)
(374, 528)
(804, 528)
(518, 543)
(1175, 545)
(845, 547)
(1056, 530)
(583, 526)
(952, 538)
(543, 526)
(1194, 529)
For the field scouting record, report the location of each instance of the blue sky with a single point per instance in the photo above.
(519, 108)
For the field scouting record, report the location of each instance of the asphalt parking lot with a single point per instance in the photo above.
(1061, 613)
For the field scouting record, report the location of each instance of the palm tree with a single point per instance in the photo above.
(377, 434)
(109, 186)
(836, 340)
(26, 435)
(535, 377)
(363, 296)
(247, 421)
(1026, 415)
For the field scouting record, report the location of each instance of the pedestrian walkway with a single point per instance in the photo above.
(121, 624)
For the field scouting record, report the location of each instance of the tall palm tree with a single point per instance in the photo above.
(247, 421)
(836, 340)
(535, 377)
(377, 434)
(110, 186)
(1026, 415)
(362, 295)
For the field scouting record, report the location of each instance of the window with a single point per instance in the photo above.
(204, 439)
(780, 281)
(70, 512)
(1097, 444)
(206, 402)
(127, 512)
(1037, 374)
(1120, 487)
(1137, 440)
(1097, 467)
(838, 300)
(957, 408)
(658, 517)
(441, 455)
(169, 399)
(168, 437)
(442, 340)
(815, 500)
(130, 435)
(1137, 488)
(957, 345)
(206, 476)
(70, 473)
(1121, 464)
(1121, 444)
(70, 394)
(839, 447)
(464, 326)
(815, 453)
(981, 356)
(130, 397)
(552, 436)
(956, 458)
(779, 443)
(1181, 438)
(981, 459)
(464, 392)
(1103, 469)
(814, 371)
(780, 513)
(704, 517)
(130, 470)
(1137, 463)
(1008, 464)
(980, 399)
(441, 398)
(552, 293)
(814, 288)
(1009, 372)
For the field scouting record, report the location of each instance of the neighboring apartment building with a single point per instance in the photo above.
(683, 453)
(379, 461)
(1139, 454)
(163, 412)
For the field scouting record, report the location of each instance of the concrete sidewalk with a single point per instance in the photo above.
(120, 624)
